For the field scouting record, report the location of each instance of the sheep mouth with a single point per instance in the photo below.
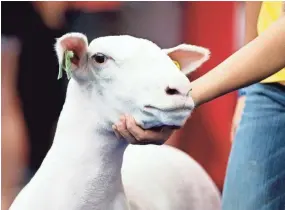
(167, 109)
(179, 114)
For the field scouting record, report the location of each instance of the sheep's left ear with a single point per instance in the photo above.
(189, 57)
(75, 42)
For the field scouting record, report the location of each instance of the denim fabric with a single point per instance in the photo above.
(241, 92)
(255, 178)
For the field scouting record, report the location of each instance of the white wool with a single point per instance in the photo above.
(87, 167)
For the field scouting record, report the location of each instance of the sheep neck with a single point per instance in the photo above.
(92, 153)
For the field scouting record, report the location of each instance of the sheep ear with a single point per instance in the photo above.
(75, 42)
(189, 57)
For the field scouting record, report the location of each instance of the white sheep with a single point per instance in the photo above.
(87, 167)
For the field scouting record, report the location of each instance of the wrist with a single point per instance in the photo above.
(197, 93)
(196, 97)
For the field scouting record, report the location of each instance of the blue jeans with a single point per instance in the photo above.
(255, 178)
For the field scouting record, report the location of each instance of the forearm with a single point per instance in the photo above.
(259, 59)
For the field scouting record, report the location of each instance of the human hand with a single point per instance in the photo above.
(129, 130)
(237, 116)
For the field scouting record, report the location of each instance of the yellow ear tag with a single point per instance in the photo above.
(177, 64)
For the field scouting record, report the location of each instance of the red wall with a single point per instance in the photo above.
(206, 136)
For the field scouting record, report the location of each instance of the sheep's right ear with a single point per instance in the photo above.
(75, 42)
(189, 57)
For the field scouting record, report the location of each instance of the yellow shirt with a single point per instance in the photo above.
(269, 13)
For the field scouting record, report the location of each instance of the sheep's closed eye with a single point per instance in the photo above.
(99, 58)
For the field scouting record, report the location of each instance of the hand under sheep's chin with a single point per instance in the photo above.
(143, 132)
(152, 125)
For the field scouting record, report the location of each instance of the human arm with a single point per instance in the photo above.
(257, 60)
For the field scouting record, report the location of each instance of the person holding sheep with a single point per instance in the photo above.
(256, 61)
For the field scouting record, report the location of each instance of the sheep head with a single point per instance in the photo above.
(128, 75)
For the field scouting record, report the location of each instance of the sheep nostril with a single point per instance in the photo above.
(172, 91)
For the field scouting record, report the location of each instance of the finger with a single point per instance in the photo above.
(142, 136)
(116, 132)
(161, 135)
(122, 130)
(134, 129)
(147, 136)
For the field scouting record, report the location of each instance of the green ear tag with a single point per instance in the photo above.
(66, 64)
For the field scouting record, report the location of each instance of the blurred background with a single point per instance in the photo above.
(32, 97)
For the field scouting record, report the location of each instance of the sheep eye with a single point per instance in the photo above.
(99, 58)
